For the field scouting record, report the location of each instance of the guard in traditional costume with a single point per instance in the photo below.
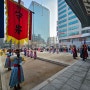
(31, 53)
(74, 52)
(25, 51)
(84, 52)
(17, 75)
(35, 54)
(8, 61)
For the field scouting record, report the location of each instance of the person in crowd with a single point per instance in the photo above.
(54, 50)
(8, 61)
(81, 50)
(25, 50)
(74, 52)
(84, 52)
(57, 50)
(17, 75)
(35, 54)
(31, 53)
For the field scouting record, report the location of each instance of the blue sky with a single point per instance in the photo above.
(52, 6)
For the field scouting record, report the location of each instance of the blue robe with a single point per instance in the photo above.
(8, 61)
(17, 75)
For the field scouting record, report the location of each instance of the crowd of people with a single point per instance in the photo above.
(15, 64)
(83, 50)
(30, 53)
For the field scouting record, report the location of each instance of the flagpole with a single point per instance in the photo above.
(19, 1)
(33, 25)
(30, 28)
(11, 44)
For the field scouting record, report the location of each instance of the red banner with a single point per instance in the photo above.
(17, 24)
(30, 25)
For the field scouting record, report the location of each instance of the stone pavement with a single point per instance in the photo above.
(62, 57)
(74, 77)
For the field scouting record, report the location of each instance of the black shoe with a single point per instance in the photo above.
(15, 88)
(19, 87)
(83, 59)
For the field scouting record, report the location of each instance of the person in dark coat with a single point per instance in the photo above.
(74, 52)
(84, 52)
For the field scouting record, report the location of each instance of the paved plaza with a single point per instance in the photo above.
(76, 76)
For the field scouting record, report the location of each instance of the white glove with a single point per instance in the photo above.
(12, 67)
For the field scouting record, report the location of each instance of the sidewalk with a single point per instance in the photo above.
(74, 77)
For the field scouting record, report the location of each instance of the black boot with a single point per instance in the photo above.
(15, 88)
(18, 86)
(83, 59)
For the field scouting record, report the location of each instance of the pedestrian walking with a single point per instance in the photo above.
(17, 75)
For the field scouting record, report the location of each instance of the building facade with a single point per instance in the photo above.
(69, 30)
(41, 24)
(68, 25)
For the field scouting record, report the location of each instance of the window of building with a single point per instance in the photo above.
(72, 17)
(73, 22)
(65, 25)
(73, 28)
(70, 12)
(62, 7)
(62, 12)
(62, 16)
(73, 33)
(63, 35)
(63, 30)
(86, 31)
(61, 3)
(62, 21)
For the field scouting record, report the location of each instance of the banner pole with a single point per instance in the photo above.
(19, 1)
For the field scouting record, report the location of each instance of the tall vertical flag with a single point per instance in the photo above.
(1, 18)
(17, 30)
(30, 25)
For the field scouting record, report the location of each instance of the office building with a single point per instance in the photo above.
(68, 25)
(41, 23)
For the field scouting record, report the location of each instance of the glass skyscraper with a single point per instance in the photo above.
(68, 25)
(41, 23)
